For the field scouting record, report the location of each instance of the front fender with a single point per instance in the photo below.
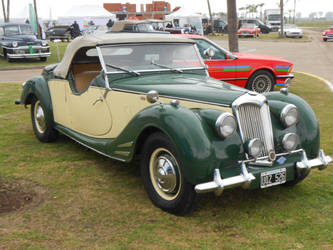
(198, 147)
(39, 88)
(307, 128)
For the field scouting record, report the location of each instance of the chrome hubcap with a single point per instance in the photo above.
(165, 174)
(261, 84)
(39, 118)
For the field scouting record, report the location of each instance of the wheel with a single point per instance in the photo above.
(43, 59)
(163, 179)
(300, 37)
(261, 81)
(42, 130)
(325, 39)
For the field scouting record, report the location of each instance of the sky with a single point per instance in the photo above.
(60, 7)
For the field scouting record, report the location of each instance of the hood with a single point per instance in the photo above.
(329, 31)
(246, 30)
(25, 38)
(183, 86)
(293, 30)
(258, 57)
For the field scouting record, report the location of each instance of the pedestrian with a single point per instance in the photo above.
(75, 30)
(109, 24)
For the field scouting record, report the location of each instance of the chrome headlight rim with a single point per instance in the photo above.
(220, 123)
(44, 43)
(284, 113)
(14, 44)
(287, 138)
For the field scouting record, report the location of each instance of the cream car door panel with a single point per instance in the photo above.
(124, 106)
(59, 96)
(90, 115)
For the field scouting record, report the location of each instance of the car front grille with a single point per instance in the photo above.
(254, 120)
(330, 35)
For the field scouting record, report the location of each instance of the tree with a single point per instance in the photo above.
(232, 25)
(5, 12)
(281, 19)
(313, 15)
(329, 15)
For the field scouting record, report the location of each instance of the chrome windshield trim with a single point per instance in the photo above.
(155, 70)
(172, 97)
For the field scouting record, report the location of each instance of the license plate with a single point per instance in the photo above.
(273, 177)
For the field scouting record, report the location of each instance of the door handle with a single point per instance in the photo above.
(99, 99)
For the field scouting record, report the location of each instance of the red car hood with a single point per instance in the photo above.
(328, 31)
(260, 57)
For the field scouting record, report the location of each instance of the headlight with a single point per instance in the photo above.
(44, 43)
(226, 125)
(324, 34)
(254, 147)
(290, 141)
(14, 44)
(289, 115)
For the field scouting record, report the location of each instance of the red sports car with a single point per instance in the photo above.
(258, 73)
(328, 34)
(248, 29)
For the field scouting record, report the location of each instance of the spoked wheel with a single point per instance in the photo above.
(261, 81)
(163, 179)
(42, 130)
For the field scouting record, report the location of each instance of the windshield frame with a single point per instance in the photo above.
(101, 58)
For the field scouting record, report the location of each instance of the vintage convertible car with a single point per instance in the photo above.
(328, 34)
(292, 30)
(127, 94)
(19, 41)
(248, 30)
(259, 73)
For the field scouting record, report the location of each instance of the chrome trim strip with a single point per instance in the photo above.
(285, 76)
(123, 153)
(233, 79)
(171, 97)
(112, 157)
(126, 145)
(155, 70)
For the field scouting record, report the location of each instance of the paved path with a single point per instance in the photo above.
(315, 57)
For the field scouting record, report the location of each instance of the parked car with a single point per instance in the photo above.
(248, 30)
(61, 32)
(259, 73)
(126, 94)
(291, 30)
(19, 41)
(263, 28)
(328, 34)
(135, 26)
(95, 29)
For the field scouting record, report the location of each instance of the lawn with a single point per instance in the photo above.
(321, 25)
(36, 62)
(94, 202)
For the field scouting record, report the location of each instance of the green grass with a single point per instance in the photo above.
(36, 62)
(94, 202)
(273, 36)
(322, 25)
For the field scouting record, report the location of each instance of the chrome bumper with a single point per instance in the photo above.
(245, 178)
(28, 55)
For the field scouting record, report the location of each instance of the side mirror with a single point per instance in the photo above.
(209, 52)
(227, 56)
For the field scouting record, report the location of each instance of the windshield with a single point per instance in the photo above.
(248, 26)
(145, 27)
(26, 30)
(150, 57)
(12, 30)
(274, 17)
(290, 26)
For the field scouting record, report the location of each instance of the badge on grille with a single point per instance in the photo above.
(271, 155)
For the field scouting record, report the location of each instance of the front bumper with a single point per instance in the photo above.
(245, 178)
(328, 37)
(34, 55)
(24, 52)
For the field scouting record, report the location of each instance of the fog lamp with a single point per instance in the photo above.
(254, 147)
(14, 44)
(226, 125)
(290, 141)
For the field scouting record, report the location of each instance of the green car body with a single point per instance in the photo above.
(185, 110)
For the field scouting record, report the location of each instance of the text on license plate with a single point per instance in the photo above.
(273, 177)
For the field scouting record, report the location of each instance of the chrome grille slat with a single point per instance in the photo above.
(252, 112)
